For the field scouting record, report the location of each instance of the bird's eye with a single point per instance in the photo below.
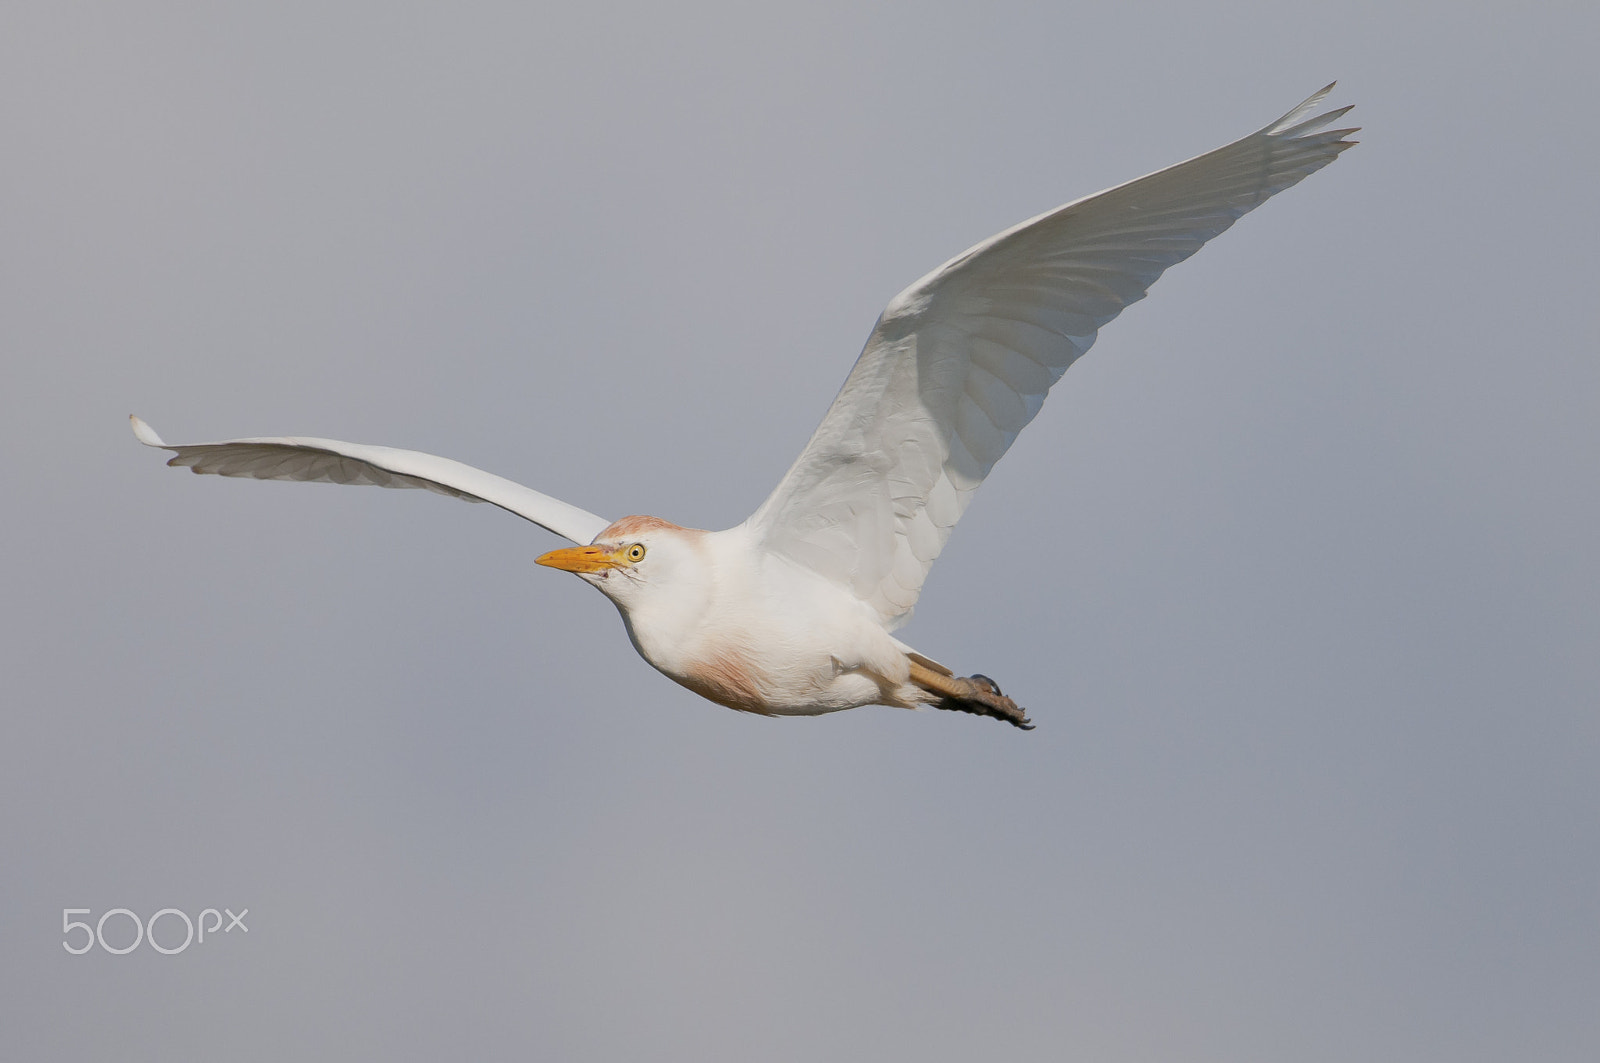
(636, 553)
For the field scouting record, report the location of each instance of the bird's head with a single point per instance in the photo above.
(634, 557)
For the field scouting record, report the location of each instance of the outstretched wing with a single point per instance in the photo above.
(961, 360)
(331, 461)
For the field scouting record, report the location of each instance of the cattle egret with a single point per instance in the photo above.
(791, 612)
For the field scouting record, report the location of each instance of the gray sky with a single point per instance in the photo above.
(1307, 614)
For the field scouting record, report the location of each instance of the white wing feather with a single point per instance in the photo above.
(960, 361)
(332, 461)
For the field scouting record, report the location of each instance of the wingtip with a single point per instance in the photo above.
(1306, 106)
(143, 432)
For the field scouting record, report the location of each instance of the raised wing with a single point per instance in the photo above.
(961, 360)
(331, 461)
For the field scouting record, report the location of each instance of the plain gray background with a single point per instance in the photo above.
(1297, 570)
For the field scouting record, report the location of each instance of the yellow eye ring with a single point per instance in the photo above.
(635, 553)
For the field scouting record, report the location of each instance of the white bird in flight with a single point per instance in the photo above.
(791, 612)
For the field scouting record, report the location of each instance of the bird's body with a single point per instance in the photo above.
(791, 612)
(715, 631)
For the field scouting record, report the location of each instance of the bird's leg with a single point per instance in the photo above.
(977, 694)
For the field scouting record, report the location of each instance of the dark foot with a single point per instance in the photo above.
(981, 696)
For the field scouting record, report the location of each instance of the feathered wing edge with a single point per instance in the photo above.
(333, 461)
(1313, 147)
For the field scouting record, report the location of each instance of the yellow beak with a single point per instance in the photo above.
(582, 559)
